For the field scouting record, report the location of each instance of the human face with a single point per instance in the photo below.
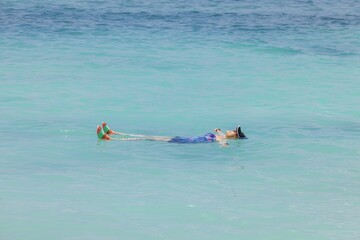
(231, 134)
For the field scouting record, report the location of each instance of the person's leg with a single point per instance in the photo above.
(142, 139)
(157, 138)
(108, 131)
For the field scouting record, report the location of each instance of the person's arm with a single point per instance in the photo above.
(220, 137)
(223, 143)
(219, 133)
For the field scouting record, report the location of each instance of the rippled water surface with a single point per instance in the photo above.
(287, 71)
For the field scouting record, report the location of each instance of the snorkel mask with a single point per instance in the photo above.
(240, 134)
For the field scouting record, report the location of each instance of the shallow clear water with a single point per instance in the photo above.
(287, 71)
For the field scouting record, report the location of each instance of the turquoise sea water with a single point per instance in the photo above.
(287, 71)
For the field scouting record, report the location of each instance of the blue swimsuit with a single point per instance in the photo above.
(209, 137)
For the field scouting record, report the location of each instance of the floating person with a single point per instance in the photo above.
(105, 132)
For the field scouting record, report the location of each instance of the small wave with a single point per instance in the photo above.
(279, 50)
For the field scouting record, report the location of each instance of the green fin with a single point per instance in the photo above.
(101, 134)
(106, 128)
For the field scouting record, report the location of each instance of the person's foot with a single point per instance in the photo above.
(101, 134)
(107, 129)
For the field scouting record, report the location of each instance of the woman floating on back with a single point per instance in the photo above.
(105, 132)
